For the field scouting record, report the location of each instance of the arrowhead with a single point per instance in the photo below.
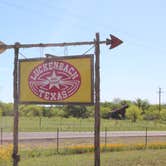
(114, 42)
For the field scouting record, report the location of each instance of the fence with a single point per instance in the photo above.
(60, 132)
(35, 124)
(60, 139)
(53, 136)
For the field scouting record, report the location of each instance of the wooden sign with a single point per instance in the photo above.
(60, 80)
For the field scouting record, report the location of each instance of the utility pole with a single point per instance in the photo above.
(159, 92)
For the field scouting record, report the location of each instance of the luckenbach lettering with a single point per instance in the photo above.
(61, 66)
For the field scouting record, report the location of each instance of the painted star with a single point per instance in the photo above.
(54, 80)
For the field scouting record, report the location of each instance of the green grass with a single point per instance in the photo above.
(127, 158)
(87, 148)
(153, 156)
(73, 124)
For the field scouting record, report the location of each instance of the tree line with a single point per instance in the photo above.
(138, 109)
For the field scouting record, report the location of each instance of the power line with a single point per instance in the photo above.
(159, 93)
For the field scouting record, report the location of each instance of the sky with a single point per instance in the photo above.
(135, 69)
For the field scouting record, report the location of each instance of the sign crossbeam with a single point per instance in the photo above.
(18, 45)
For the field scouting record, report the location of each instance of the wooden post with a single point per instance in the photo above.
(40, 119)
(105, 137)
(57, 140)
(146, 138)
(15, 156)
(97, 101)
(1, 136)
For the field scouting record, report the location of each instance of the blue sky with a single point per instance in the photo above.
(136, 69)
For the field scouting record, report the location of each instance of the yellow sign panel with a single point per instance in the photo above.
(60, 80)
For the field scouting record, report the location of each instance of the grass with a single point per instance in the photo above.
(148, 157)
(29, 124)
(126, 158)
(112, 155)
(86, 148)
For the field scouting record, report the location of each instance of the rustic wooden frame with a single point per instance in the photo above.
(91, 56)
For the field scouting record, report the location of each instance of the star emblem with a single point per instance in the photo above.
(54, 80)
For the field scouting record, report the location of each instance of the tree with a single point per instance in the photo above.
(30, 110)
(105, 111)
(133, 113)
(75, 111)
(90, 111)
(163, 114)
(7, 109)
(50, 111)
(142, 104)
(0, 111)
(106, 104)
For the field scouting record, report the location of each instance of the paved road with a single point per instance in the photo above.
(25, 136)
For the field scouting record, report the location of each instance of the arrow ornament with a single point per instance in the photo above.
(114, 41)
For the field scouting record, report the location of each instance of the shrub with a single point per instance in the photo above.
(6, 152)
(113, 147)
(1, 111)
(30, 110)
(76, 111)
(151, 115)
(7, 109)
(133, 113)
(163, 114)
(105, 112)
